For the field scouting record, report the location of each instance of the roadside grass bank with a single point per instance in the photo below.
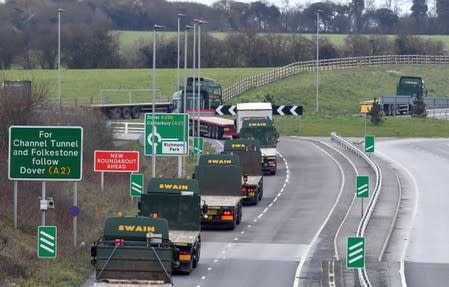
(354, 126)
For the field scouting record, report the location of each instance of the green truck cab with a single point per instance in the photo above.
(134, 250)
(250, 158)
(263, 130)
(178, 201)
(219, 178)
(411, 86)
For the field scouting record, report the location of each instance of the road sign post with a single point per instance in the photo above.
(198, 145)
(136, 184)
(369, 144)
(170, 136)
(45, 153)
(355, 255)
(362, 188)
(47, 241)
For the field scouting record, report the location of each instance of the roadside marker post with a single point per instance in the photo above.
(136, 184)
(369, 144)
(362, 188)
(355, 255)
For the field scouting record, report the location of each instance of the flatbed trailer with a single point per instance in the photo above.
(219, 178)
(189, 244)
(269, 160)
(132, 110)
(252, 188)
(132, 283)
(222, 209)
(177, 200)
(212, 126)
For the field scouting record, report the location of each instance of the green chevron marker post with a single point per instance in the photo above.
(355, 256)
(369, 143)
(362, 186)
(47, 242)
(136, 184)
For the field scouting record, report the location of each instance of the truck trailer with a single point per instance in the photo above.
(262, 130)
(178, 201)
(134, 251)
(250, 158)
(219, 178)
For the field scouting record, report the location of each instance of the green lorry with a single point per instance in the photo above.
(250, 158)
(134, 251)
(263, 130)
(178, 201)
(219, 178)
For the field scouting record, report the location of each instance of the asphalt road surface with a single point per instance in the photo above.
(266, 248)
(426, 251)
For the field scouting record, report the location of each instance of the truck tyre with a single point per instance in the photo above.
(135, 112)
(197, 255)
(210, 129)
(260, 191)
(114, 113)
(239, 217)
(126, 113)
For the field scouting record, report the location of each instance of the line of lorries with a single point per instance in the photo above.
(165, 237)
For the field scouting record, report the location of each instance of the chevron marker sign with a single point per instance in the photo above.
(288, 110)
(136, 184)
(46, 241)
(355, 256)
(225, 110)
(362, 186)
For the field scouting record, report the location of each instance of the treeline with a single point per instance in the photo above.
(29, 29)
(356, 16)
(93, 47)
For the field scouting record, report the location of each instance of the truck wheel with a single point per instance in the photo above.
(126, 113)
(239, 217)
(196, 258)
(114, 113)
(210, 128)
(135, 112)
(220, 133)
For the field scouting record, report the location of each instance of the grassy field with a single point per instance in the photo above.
(128, 39)
(340, 93)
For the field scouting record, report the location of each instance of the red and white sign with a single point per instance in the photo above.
(118, 161)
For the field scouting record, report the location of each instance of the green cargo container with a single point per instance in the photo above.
(134, 249)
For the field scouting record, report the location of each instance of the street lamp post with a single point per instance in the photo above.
(177, 89)
(195, 24)
(59, 59)
(153, 152)
(317, 59)
(200, 22)
(184, 100)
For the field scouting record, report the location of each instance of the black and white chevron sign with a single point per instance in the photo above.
(287, 110)
(225, 110)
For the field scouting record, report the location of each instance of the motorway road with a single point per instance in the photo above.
(266, 248)
(427, 253)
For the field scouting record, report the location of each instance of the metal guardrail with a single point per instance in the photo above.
(363, 276)
(408, 100)
(265, 78)
(127, 127)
